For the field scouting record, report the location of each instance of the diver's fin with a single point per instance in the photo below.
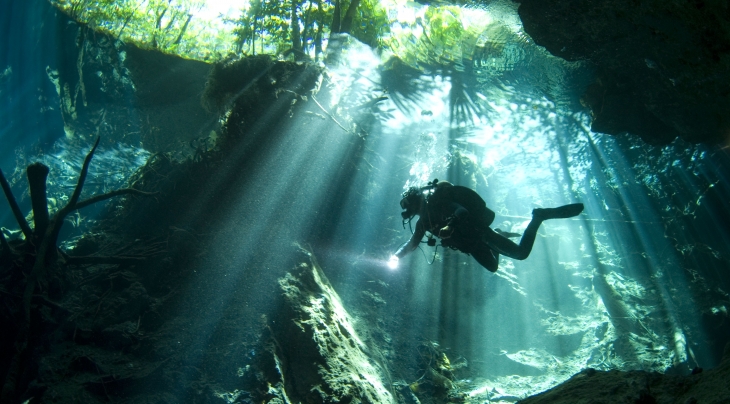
(562, 212)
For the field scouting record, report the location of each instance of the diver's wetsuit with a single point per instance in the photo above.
(463, 210)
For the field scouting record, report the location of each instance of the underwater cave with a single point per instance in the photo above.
(202, 201)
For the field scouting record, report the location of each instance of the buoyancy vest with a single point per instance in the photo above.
(443, 199)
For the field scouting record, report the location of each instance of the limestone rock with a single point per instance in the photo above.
(318, 353)
(597, 387)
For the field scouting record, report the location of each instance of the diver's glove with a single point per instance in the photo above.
(446, 231)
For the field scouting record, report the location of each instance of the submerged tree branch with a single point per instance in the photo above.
(44, 242)
(108, 195)
(107, 259)
(82, 178)
(27, 232)
(329, 115)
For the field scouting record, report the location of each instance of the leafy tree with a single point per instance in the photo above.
(466, 50)
(370, 23)
(168, 25)
(264, 24)
(438, 41)
(298, 26)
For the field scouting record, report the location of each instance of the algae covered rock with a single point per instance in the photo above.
(318, 353)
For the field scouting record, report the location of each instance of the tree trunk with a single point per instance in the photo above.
(158, 23)
(37, 174)
(349, 17)
(296, 39)
(318, 36)
(335, 27)
(182, 30)
(307, 28)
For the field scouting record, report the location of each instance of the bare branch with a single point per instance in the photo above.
(330, 115)
(99, 198)
(102, 259)
(27, 232)
(51, 235)
(82, 177)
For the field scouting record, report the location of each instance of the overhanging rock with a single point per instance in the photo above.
(662, 67)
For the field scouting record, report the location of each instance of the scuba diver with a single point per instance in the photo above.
(460, 218)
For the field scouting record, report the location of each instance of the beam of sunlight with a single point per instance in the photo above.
(628, 284)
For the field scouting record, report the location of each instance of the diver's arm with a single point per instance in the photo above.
(413, 242)
(459, 217)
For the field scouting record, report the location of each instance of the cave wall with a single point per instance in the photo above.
(124, 92)
(662, 68)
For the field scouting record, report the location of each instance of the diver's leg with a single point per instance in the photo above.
(505, 246)
(561, 212)
(486, 258)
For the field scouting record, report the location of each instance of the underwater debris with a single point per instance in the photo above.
(437, 381)
(245, 91)
(252, 77)
(38, 255)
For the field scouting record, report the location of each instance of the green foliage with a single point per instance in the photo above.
(266, 26)
(371, 23)
(442, 41)
(455, 43)
(168, 25)
(437, 37)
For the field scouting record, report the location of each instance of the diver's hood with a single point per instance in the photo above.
(407, 215)
(411, 203)
(415, 197)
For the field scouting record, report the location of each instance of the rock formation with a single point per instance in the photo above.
(662, 68)
(596, 387)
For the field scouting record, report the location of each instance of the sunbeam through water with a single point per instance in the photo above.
(236, 236)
